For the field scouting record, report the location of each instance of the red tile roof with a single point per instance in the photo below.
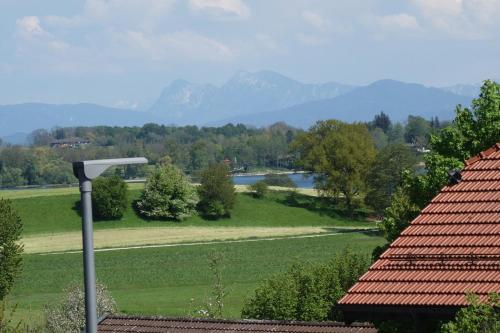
(452, 248)
(119, 324)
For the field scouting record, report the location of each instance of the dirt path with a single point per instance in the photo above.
(161, 237)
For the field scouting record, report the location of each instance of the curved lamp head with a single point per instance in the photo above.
(92, 169)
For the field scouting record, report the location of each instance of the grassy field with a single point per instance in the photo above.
(46, 192)
(172, 280)
(54, 214)
(164, 280)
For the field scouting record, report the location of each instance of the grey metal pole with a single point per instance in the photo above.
(85, 171)
(88, 256)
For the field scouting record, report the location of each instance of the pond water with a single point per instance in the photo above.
(300, 179)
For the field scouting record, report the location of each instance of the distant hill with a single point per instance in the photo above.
(16, 138)
(259, 99)
(183, 102)
(395, 98)
(27, 117)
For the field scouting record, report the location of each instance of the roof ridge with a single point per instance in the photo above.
(239, 321)
(483, 154)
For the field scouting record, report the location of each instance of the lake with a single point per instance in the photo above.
(300, 179)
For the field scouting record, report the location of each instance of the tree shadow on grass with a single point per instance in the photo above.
(324, 206)
(77, 207)
(319, 205)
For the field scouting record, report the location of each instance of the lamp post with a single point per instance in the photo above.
(85, 171)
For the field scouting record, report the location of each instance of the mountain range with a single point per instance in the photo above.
(259, 99)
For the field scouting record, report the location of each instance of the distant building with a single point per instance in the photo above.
(69, 143)
(451, 249)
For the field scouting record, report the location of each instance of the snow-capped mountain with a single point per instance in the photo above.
(469, 90)
(245, 93)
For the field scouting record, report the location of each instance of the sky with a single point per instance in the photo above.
(122, 53)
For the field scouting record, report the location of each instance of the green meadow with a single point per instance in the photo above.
(59, 213)
(174, 281)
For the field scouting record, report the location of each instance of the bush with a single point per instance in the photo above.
(259, 189)
(168, 194)
(109, 197)
(10, 249)
(477, 317)
(217, 193)
(279, 180)
(306, 291)
(68, 315)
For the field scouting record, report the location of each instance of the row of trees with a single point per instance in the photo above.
(190, 148)
(168, 194)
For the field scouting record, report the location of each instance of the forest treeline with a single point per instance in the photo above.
(47, 159)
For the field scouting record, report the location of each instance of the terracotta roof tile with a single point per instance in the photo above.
(450, 249)
(121, 324)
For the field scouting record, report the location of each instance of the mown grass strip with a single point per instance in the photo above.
(122, 238)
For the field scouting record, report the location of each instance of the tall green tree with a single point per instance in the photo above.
(382, 121)
(10, 249)
(474, 129)
(341, 154)
(418, 131)
(216, 191)
(386, 175)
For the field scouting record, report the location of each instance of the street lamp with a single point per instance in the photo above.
(85, 171)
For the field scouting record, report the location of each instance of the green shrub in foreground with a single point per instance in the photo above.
(10, 249)
(168, 194)
(109, 197)
(306, 291)
(477, 317)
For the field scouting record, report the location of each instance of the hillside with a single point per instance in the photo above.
(259, 99)
(395, 98)
(24, 118)
(183, 102)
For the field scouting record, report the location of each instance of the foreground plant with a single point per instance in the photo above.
(478, 317)
(68, 315)
(10, 249)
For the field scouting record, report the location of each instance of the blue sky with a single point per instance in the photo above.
(124, 52)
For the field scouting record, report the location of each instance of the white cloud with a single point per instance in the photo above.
(221, 8)
(107, 9)
(316, 20)
(267, 42)
(144, 14)
(184, 45)
(462, 19)
(441, 7)
(398, 21)
(29, 26)
(311, 40)
(30, 33)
